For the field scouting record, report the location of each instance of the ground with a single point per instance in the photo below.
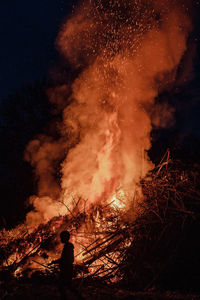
(41, 291)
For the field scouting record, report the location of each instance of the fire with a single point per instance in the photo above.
(125, 60)
(125, 53)
(118, 200)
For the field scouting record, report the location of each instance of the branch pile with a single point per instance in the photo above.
(159, 248)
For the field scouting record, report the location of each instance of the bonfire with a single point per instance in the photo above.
(136, 254)
(127, 218)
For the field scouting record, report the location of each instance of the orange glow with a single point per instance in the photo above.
(118, 200)
(126, 59)
(127, 51)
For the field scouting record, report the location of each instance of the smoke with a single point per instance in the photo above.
(126, 53)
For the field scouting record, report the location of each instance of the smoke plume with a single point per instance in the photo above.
(126, 52)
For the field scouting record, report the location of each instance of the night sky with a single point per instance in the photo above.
(28, 30)
(27, 35)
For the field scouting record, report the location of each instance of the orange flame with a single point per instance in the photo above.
(127, 52)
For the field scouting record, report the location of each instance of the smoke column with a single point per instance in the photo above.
(126, 52)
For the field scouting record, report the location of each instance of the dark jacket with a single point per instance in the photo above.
(67, 258)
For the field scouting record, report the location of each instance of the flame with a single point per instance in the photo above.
(118, 200)
(125, 53)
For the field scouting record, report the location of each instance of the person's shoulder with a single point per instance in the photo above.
(70, 245)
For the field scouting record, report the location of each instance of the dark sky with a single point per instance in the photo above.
(28, 29)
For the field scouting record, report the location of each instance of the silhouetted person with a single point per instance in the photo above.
(65, 263)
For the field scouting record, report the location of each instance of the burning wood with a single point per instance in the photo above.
(123, 250)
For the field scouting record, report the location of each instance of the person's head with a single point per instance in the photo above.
(64, 236)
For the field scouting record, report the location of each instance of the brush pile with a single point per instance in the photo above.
(159, 249)
(165, 251)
